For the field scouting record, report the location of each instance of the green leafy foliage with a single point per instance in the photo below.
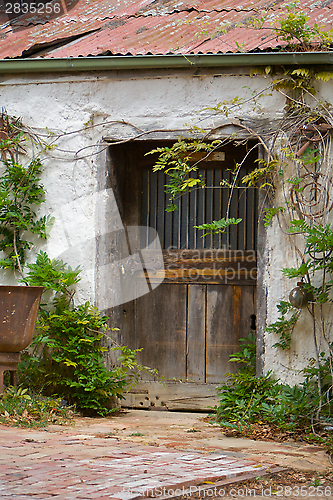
(324, 75)
(225, 107)
(179, 162)
(299, 272)
(246, 356)
(317, 257)
(14, 141)
(310, 157)
(20, 190)
(318, 238)
(70, 362)
(130, 368)
(293, 28)
(218, 226)
(269, 213)
(51, 274)
(242, 396)
(246, 399)
(284, 325)
(20, 408)
(68, 356)
(261, 173)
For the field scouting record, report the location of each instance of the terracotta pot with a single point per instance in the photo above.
(18, 313)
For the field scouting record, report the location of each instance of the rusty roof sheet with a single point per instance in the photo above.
(120, 27)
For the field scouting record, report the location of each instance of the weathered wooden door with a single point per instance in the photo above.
(193, 321)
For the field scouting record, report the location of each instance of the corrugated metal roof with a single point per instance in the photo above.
(97, 27)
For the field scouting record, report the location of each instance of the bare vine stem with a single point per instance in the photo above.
(239, 166)
(17, 257)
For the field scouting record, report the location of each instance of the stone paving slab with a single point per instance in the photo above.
(35, 465)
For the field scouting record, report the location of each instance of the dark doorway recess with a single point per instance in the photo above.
(192, 322)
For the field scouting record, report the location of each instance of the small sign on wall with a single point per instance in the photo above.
(217, 156)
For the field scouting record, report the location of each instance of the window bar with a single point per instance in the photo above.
(200, 212)
(160, 207)
(153, 201)
(145, 203)
(241, 227)
(176, 224)
(192, 221)
(209, 207)
(167, 219)
(185, 222)
(217, 194)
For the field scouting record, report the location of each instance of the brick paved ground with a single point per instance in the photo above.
(123, 457)
(47, 465)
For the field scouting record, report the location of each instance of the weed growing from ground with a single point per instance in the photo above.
(21, 409)
(263, 408)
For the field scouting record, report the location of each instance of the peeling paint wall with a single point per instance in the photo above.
(84, 109)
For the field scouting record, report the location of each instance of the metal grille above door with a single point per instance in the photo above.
(202, 205)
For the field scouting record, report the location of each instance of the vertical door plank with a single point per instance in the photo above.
(196, 326)
(247, 308)
(223, 319)
(229, 310)
(232, 227)
(160, 329)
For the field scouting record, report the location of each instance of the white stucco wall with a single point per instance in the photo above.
(285, 250)
(69, 105)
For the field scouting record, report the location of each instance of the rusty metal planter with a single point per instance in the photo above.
(18, 314)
